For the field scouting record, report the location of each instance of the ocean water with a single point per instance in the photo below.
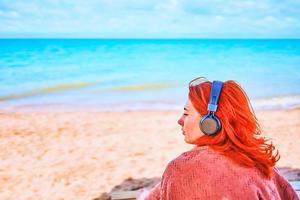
(125, 74)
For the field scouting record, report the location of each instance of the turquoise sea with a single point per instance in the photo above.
(129, 74)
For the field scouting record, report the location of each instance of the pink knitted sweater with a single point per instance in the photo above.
(205, 174)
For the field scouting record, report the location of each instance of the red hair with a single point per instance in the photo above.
(239, 137)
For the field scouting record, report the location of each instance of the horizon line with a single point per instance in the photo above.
(158, 38)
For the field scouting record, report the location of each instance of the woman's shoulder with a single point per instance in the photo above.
(196, 157)
(197, 153)
(202, 169)
(205, 160)
(188, 165)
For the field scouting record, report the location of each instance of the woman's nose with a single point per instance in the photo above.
(180, 121)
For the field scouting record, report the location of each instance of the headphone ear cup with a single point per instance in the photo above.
(210, 124)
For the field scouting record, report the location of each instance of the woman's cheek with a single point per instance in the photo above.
(187, 124)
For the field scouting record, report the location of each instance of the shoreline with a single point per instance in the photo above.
(279, 102)
(61, 108)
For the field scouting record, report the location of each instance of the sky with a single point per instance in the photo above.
(150, 19)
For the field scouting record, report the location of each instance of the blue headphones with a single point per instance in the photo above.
(210, 124)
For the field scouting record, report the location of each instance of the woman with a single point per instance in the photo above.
(231, 160)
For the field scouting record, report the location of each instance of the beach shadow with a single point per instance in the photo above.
(130, 184)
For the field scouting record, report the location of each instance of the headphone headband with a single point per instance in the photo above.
(214, 96)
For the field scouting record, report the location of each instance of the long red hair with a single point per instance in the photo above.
(240, 135)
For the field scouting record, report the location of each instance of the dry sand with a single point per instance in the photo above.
(78, 155)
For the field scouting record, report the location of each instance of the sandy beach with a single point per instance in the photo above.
(79, 155)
